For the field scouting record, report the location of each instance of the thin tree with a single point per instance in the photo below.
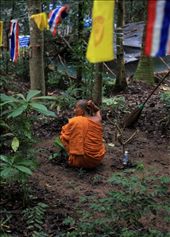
(36, 50)
(80, 41)
(145, 69)
(97, 89)
(121, 83)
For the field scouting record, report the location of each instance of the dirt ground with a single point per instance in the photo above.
(61, 187)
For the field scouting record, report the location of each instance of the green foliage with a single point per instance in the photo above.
(121, 212)
(61, 154)
(18, 112)
(108, 85)
(58, 79)
(16, 168)
(4, 81)
(4, 223)
(97, 179)
(115, 103)
(17, 116)
(134, 9)
(67, 99)
(58, 143)
(34, 218)
(165, 97)
(18, 104)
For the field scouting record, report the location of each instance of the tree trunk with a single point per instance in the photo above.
(6, 44)
(145, 69)
(121, 83)
(97, 90)
(36, 50)
(80, 33)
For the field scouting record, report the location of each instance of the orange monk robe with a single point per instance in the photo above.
(82, 139)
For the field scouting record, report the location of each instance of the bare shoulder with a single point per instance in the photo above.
(96, 118)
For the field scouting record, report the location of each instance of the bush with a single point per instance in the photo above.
(165, 97)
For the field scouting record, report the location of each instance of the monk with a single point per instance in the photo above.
(82, 136)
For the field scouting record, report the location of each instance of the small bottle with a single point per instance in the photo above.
(125, 158)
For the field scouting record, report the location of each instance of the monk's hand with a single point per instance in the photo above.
(90, 103)
(94, 107)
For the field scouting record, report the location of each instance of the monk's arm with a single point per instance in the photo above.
(95, 110)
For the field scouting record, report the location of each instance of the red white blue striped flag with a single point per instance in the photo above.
(14, 40)
(56, 16)
(157, 41)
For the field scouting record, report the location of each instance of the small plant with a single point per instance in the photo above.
(115, 102)
(34, 218)
(4, 223)
(18, 112)
(60, 156)
(97, 179)
(16, 168)
(121, 212)
(165, 97)
(67, 99)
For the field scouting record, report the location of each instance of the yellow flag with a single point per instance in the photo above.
(1, 32)
(100, 46)
(41, 20)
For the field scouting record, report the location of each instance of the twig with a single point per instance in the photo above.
(118, 128)
(130, 138)
(109, 120)
(109, 69)
(165, 63)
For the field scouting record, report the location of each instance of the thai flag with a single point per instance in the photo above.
(56, 16)
(157, 41)
(14, 40)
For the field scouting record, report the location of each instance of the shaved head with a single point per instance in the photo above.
(82, 104)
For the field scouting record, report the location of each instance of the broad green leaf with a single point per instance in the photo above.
(8, 172)
(18, 111)
(8, 102)
(5, 159)
(27, 163)
(6, 98)
(42, 109)
(47, 113)
(28, 133)
(45, 98)
(15, 144)
(23, 169)
(21, 96)
(32, 93)
(39, 106)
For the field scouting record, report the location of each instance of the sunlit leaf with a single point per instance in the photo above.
(15, 144)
